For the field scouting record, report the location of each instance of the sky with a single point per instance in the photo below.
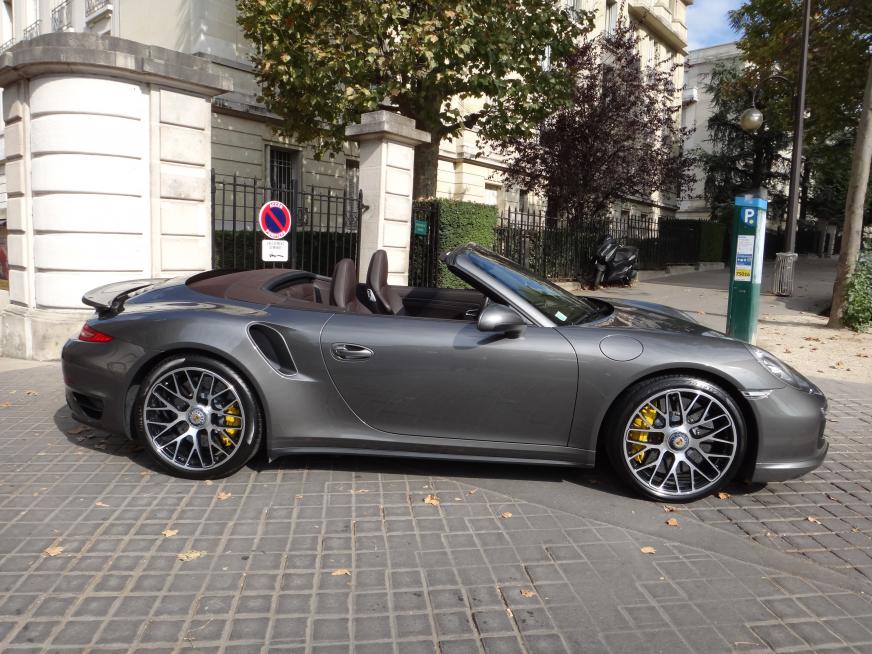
(707, 22)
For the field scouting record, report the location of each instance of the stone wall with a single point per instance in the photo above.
(108, 151)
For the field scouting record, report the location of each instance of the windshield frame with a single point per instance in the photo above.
(462, 262)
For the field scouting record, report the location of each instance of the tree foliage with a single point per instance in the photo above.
(322, 63)
(619, 137)
(839, 40)
(736, 161)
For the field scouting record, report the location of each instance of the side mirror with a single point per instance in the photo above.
(501, 319)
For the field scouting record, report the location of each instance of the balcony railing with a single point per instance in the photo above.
(93, 6)
(62, 16)
(30, 31)
(8, 44)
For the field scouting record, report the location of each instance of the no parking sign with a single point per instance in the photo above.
(275, 219)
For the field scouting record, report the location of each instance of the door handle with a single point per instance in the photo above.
(350, 352)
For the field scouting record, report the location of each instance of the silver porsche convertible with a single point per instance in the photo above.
(207, 370)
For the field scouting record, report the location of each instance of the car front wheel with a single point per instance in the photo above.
(198, 417)
(676, 437)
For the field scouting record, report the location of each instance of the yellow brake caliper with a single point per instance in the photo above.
(643, 420)
(230, 421)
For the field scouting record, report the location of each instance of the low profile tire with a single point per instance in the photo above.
(676, 438)
(197, 417)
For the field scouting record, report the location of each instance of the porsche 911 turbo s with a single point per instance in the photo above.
(206, 370)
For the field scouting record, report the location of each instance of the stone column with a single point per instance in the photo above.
(387, 158)
(108, 153)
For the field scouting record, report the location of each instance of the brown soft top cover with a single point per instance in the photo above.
(273, 286)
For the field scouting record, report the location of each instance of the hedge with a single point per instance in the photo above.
(858, 296)
(460, 223)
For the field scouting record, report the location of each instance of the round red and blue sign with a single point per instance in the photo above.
(275, 219)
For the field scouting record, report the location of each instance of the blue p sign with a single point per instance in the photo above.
(749, 215)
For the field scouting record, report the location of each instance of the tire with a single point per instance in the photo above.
(667, 454)
(209, 438)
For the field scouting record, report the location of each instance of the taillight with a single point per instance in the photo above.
(91, 335)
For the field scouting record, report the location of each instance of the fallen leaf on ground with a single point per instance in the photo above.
(209, 482)
(813, 520)
(341, 572)
(527, 593)
(359, 491)
(723, 495)
(432, 500)
(648, 550)
(31, 393)
(506, 514)
(102, 505)
(54, 550)
(169, 533)
(5, 405)
(298, 497)
(472, 492)
(79, 429)
(672, 522)
(190, 555)
(668, 509)
(223, 495)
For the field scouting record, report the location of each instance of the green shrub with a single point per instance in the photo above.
(460, 223)
(858, 297)
(711, 241)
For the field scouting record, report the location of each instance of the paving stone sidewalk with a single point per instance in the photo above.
(826, 515)
(332, 555)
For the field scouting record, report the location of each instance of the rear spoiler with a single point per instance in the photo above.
(109, 299)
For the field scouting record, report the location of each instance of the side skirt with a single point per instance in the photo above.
(458, 450)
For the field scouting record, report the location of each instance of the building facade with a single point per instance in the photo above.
(243, 140)
(696, 111)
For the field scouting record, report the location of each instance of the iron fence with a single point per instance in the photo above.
(563, 250)
(424, 245)
(31, 31)
(62, 16)
(325, 227)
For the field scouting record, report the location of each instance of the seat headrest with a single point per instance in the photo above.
(344, 284)
(377, 274)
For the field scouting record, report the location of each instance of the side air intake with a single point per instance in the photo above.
(273, 347)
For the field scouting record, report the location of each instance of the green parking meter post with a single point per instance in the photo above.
(746, 265)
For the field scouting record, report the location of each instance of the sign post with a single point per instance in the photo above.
(275, 222)
(746, 265)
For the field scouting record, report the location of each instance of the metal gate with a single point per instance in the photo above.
(424, 245)
(325, 224)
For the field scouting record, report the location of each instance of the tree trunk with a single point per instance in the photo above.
(426, 168)
(852, 231)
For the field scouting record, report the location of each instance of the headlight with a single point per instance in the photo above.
(782, 371)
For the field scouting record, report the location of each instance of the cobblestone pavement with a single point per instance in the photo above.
(330, 555)
(826, 515)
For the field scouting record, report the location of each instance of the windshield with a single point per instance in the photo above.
(559, 305)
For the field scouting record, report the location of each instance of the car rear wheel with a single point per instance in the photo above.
(198, 417)
(676, 438)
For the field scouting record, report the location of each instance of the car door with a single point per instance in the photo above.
(445, 378)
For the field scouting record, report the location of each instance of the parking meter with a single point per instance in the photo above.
(746, 265)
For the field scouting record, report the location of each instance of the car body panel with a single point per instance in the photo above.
(445, 378)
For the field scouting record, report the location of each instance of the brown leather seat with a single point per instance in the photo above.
(387, 299)
(343, 288)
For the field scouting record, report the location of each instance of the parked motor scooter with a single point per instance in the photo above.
(614, 262)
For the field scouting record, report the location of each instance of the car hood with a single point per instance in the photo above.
(635, 314)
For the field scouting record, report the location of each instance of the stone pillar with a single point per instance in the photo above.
(387, 158)
(108, 153)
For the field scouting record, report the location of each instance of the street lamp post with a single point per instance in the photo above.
(751, 120)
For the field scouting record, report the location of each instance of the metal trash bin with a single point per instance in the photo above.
(782, 281)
